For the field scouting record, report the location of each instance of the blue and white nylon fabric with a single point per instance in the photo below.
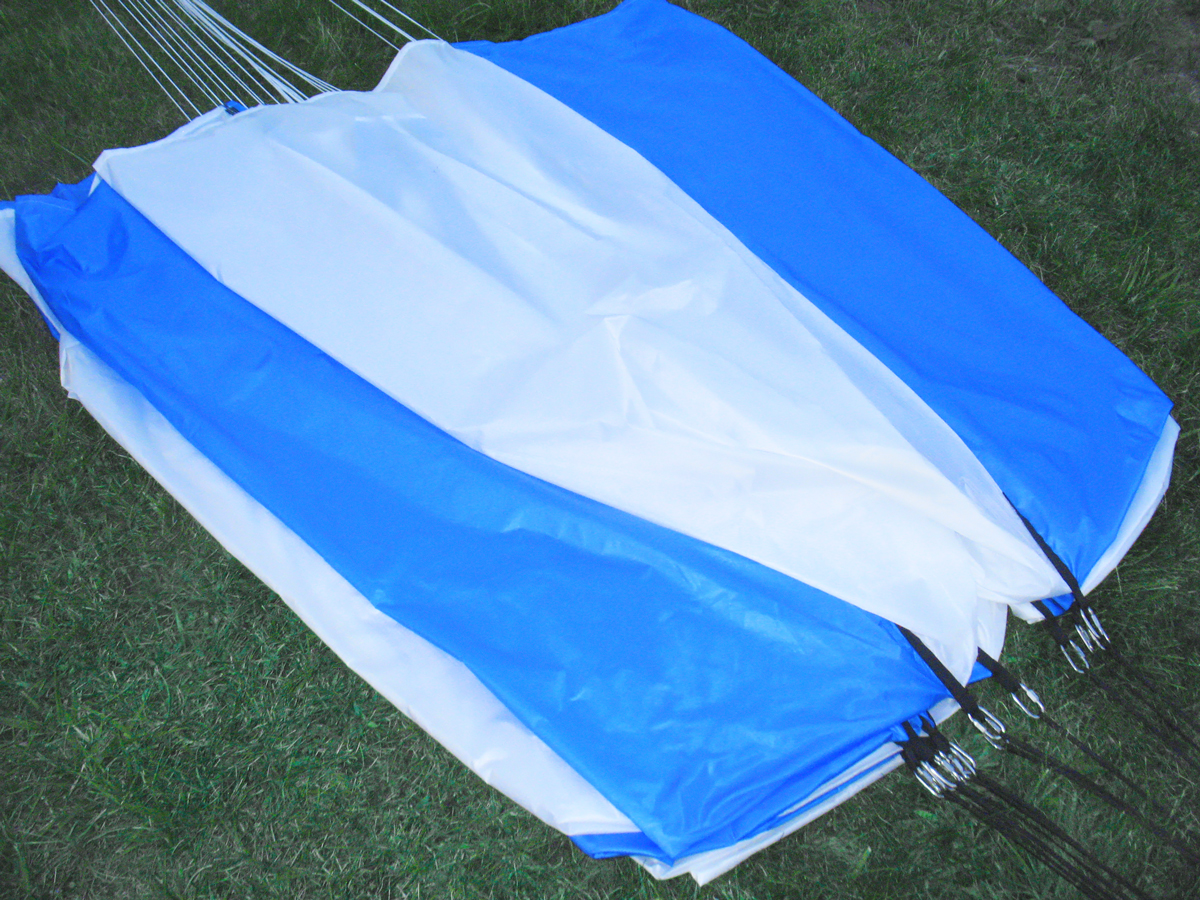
(533, 287)
(606, 405)
(1065, 424)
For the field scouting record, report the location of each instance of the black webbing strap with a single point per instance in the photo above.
(991, 727)
(1055, 560)
(1033, 754)
(996, 734)
(1051, 623)
(1013, 685)
(1167, 731)
(1175, 730)
(1022, 824)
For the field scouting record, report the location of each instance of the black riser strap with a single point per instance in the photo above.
(1055, 560)
(1044, 841)
(1135, 672)
(1033, 754)
(1038, 820)
(1177, 747)
(944, 675)
(1177, 724)
(1148, 700)
(1108, 766)
(1013, 685)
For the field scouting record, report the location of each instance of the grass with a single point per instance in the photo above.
(169, 729)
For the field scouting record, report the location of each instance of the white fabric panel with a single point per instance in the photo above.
(529, 284)
(11, 265)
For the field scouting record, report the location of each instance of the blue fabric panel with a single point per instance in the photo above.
(1063, 420)
(979, 673)
(702, 693)
(603, 846)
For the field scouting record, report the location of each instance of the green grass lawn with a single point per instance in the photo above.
(168, 728)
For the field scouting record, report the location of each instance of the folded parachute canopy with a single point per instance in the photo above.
(607, 402)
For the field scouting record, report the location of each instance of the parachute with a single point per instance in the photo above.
(612, 406)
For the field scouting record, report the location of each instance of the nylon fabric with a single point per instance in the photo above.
(702, 693)
(539, 291)
(589, 662)
(1062, 420)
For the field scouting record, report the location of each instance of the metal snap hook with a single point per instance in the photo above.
(1084, 633)
(1066, 650)
(933, 780)
(989, 726)
(1034, 699)
(1090, 622)
(964, 763)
